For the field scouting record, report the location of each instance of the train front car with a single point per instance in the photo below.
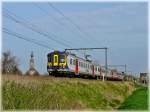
(56, 63)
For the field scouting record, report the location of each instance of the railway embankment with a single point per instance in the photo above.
(58, 93)
(137, 101)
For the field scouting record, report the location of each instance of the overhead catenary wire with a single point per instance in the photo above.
(12, 33)
(31, 27)
(36, 30)
(73, 23)
(58, 22)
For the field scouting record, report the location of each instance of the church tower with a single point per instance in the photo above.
(32, 61)
(32, 71)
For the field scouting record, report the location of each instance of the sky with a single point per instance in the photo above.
(120, 26)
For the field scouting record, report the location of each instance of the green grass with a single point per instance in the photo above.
(64, 94)
(137, 101)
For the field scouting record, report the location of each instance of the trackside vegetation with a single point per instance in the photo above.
(46, 93)
(137, 101)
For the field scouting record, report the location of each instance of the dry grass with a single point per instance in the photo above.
(63, 93)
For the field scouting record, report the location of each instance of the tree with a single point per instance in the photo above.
(10, 64)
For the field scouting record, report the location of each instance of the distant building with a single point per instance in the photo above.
(32, 71)
(144, 78)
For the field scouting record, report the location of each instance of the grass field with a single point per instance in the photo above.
(50, 93)
(137, 101)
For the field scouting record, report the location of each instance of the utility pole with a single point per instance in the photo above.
(125, 69)
(102, 48)
(106, 65)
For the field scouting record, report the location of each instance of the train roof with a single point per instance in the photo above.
(60, 52)
(79, 57)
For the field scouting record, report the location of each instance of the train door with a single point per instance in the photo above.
(77, 68)
(92, 69)
(55, 60)
(100, 71)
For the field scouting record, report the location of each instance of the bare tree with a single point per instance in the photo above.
(10, 64)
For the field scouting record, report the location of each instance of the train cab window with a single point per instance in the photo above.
(70, 61)
(49, 59)
(61, 58)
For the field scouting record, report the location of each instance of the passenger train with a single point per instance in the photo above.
(65, 63)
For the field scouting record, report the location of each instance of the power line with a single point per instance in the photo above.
(27, 25)
(70, 20)
(9, 32)
(52, 17)
(31, 27)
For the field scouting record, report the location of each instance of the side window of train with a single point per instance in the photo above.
(71, 61)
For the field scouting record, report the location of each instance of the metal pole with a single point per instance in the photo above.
(106, 66)
(125, 68)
